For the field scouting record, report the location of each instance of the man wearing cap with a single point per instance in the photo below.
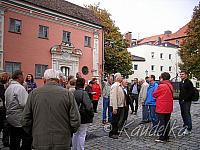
(51, 114)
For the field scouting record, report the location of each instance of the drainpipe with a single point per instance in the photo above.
(103, 59)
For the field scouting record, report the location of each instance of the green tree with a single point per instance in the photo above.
(117, 58)
(190, 50)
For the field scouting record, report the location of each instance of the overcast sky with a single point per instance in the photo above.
(146, 17)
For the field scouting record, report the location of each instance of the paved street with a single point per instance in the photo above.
(139, 137)
(132, 138)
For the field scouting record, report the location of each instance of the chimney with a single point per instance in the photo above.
(167, 32)
(128, 37)
(159, 41)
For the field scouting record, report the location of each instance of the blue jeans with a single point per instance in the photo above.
(106, 105)
(153, 115)
(185, 113)
(145, 113)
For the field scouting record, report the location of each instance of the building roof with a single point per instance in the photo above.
(153, 40)
(182, 32)
(68, 9)
(137, 58)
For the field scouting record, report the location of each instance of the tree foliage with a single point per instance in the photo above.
(190, 50)
(117, 58)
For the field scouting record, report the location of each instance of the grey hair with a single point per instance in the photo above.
(117, 75)
(51, 74)
(141, 80)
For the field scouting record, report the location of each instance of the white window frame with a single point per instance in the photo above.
(152, 67)
(87, 41)
(170, 56)
(170, 68)
(15, 25)
(161, 55)
(14, 66)
(135, 66)
(152, 55)
(66, 37)
(42, 68)
(43, 32)
(161, 68)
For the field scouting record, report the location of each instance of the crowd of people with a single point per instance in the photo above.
(156, 99)
(57, 115)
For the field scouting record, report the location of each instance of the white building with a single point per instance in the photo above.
(154, 61)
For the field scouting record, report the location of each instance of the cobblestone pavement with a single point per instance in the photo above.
(139, 136)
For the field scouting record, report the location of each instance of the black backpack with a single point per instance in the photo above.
(196, 95)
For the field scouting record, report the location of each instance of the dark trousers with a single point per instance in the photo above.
(115, 121)
(17, 134)
(123, 117)
(6, 133)
(185, 113)
(134, 99)
(95, 104)
(164, 126)
(145, 113)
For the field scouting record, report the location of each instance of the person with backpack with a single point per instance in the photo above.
(185, 100)
(86, 111)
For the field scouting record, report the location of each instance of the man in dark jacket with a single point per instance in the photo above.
(124, 116)
(186, 93)
(51, 114)
(135, 90)
(86, 111)
(88, 89)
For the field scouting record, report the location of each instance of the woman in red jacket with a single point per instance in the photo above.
(164, 105)
(96, 93)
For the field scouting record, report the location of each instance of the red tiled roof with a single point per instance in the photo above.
(153, 39)
(182, 32)
(67, 8)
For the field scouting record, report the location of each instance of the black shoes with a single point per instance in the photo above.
(144, 121)
(114, 136)
(134, 112)
(104, 122)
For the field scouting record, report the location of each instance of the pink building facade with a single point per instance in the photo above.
(35, 36)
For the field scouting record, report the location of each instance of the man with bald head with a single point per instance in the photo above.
(51, 114)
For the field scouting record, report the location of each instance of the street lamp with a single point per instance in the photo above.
(146, 72)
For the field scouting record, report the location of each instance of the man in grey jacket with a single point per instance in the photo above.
(51, 115)
(16, 97)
